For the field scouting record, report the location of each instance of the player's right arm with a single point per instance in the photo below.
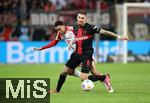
(51, 44)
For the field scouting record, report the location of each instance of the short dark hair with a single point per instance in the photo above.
(82, 12)
(57, 23)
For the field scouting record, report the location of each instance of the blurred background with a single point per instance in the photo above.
(25, 24)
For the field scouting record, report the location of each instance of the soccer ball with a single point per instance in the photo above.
(87, 85)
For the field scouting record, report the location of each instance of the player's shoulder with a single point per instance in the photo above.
(90, 25)
(94, 27)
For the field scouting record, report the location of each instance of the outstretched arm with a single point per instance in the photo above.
(109, 33)
(51, 44)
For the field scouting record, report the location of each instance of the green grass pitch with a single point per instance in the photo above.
(131, 82)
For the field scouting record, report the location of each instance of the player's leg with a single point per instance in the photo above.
(75, 73)
(83, 76)
(93, 69)
(96, 74)
(103, 78)
(86, 65)
(107, 84)
(72, 63)
(61, 80)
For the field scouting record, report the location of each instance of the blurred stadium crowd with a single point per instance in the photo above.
(15, 16)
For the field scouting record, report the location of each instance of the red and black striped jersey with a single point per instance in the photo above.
(89, 30)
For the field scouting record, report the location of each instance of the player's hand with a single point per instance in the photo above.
(37, 49)
(123, 38)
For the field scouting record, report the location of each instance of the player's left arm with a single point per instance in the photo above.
(109, 33)
(97, 29)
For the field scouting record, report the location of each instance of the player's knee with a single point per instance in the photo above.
(96, 73)
(64, 71)
(70, 72)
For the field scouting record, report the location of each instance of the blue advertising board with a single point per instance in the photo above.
(22, 52)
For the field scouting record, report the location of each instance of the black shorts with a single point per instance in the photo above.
(75, 60)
